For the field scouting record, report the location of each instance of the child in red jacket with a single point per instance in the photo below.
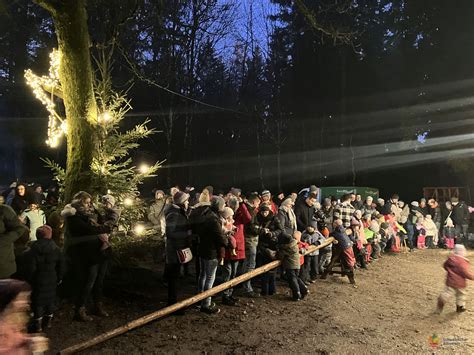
(457, 267)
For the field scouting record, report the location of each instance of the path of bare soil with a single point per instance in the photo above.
(390, 312)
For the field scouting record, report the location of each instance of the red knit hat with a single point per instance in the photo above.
(44, 232)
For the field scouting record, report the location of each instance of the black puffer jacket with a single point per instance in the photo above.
(460, 214)
(177, 237)
(45, 268)
(82, 237)
(304, 215)
(268, 242)
(211, 235)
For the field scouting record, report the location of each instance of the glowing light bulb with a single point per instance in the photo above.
(144, 168)
(64, 126)
(105, 117)
(128, 201)
(139, 229)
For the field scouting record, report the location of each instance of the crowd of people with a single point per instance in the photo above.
(226, 234)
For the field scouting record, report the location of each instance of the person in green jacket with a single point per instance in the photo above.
(11, 229)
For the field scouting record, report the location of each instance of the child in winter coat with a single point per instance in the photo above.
(342, 252)
(431, 232)
(289, 254)
(383, 239)
(111, 218)
(33, 217)
(457, 267)
(325, 254)
(310, 269)
(449, 234)
(228, 228)
(45, 270)
(421, 230)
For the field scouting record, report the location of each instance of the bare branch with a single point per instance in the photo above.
(49, 5)
(338, 35)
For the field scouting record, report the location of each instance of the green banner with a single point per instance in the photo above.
(338, 191)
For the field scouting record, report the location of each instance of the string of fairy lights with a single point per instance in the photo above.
(43, 88)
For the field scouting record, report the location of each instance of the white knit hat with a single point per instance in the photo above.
(460, 250)
(227, 212)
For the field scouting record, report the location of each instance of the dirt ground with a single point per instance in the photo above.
(392, 311)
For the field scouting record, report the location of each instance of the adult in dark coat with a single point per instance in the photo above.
(304, 211)
(20, 201)
(45, 266)
(269, 231)
(211, 240)
(82, 245)
(178, 237)
(460, 217)
(11, 229)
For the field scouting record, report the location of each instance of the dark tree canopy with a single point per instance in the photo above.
(269, 94)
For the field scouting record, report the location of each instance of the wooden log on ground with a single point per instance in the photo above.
(183, 304)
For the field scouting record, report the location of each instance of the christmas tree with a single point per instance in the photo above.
(112, 169)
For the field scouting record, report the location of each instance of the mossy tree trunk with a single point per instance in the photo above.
(76, 76)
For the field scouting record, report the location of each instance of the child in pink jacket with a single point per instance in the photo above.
(457, 267)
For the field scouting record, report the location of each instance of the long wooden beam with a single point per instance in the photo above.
(183, 304)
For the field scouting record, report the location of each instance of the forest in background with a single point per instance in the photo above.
(267, 94)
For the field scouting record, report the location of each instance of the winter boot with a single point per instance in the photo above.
(37, 322)
(460, 309)
(47, 321)
(81, 315)
(99, 310)
(297, 297)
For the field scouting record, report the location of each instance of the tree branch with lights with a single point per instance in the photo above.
(112, 169)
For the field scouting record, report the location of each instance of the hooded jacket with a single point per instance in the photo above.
(45, 268)
(208, 226)
(10, 230)
(177, 236)
(156, 215)
(458, 271)
(241, 218)
(460, 214)
(81, 236)
(289, 253)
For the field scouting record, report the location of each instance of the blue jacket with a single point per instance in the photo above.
(342, 238)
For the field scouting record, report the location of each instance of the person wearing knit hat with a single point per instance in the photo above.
(266, 198)
(211, 240)
(44, 232)
(178, 233)
(46, 269)
(180, 198)
(236, 191)
(226, 212)
(210, 189)
(108, 200)
(156, 214)
(457, 267)
(450, 234)
(288, 203)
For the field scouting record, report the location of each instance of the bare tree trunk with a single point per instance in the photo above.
(76, 76)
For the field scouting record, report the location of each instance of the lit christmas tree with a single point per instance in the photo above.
(113, 171)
